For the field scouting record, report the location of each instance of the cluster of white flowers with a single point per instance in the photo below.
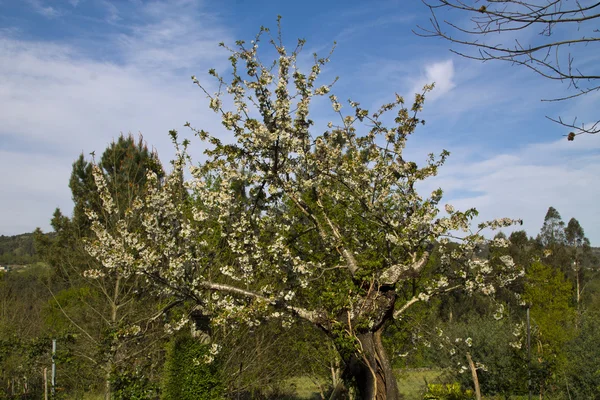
(488, 289)
(214, 349)
(516, 344)
(481, 366)
(215, 103)
(500, 223)
(176, 325)
(500, 242)
(105, 196)
(442, 282)
(499, 313)
(289, 295)
(337, 106)
(132, 330)
(508, 261)
(322, 90)
(93, 274)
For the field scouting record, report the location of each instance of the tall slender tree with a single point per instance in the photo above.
(579, 245)
(553, 230)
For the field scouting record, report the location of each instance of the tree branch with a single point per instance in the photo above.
(311, 316)
(393, 274)
(551, 59)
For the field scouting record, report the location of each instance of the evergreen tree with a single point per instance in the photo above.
(574, 234)
(104, 309)
(124, 164)
(553, 321)
(553, 230)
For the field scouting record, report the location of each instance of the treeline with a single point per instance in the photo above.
(561, 293)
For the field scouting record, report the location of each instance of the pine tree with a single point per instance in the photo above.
(104, 309)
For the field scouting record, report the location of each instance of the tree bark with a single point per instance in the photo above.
(371, 370)
(374, 377)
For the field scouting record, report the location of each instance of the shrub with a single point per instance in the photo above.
(449, 391)
(187, 375)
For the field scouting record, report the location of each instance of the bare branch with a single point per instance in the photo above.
(550, 58)
(579, 129)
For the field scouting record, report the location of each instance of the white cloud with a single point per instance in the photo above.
(33, 185)
(174, 36)
(56, 103)
(112, 12)
(525, 183)
(441, 73)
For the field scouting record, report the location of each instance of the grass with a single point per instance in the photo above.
(412, 383)
(305, 388)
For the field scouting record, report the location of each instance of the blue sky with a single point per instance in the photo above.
(76, 73)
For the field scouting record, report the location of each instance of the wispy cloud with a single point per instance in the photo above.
(441, 73)
(47, 11)
(358, 28)
(523, 184)
(112, 12)
(173, 36)
(57, 102)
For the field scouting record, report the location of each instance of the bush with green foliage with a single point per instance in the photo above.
(132, 385)
(449, 391)
(584, 359)
(187, 375)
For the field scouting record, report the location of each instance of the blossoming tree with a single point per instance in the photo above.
(287, 223)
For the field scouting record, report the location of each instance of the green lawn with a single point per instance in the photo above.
(412, 383)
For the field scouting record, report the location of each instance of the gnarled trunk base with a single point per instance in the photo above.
(371, 370)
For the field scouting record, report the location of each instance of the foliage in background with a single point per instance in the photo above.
(17, 249)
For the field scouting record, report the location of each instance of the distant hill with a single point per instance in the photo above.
(17, 250)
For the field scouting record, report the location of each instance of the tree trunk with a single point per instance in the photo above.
(375, 378)
(371, 370)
